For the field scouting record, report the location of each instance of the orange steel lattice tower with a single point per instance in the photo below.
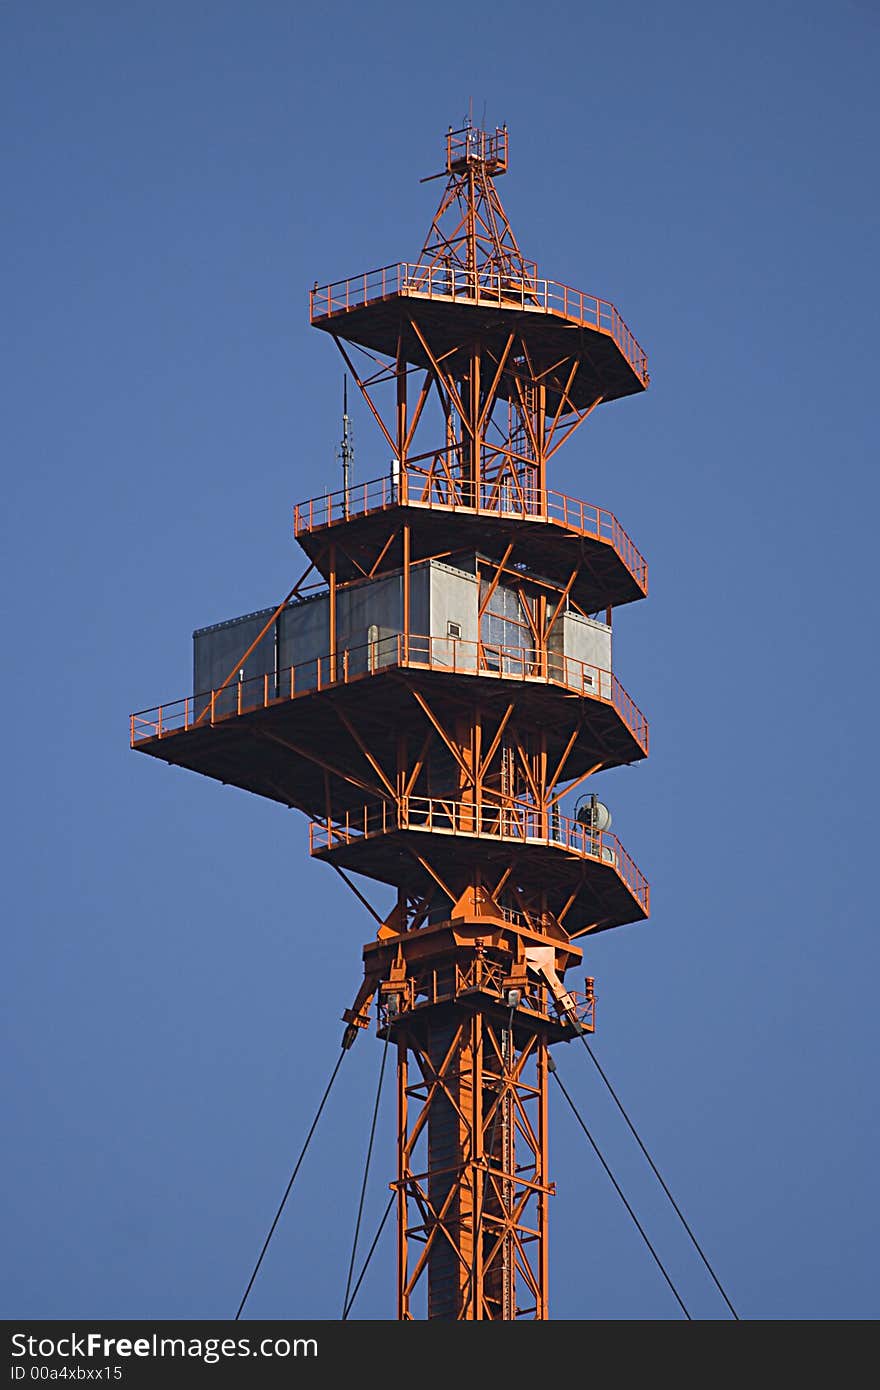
(428, 693)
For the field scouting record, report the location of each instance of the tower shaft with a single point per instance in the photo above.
(474, 1222)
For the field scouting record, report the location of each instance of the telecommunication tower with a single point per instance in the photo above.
(429, 693)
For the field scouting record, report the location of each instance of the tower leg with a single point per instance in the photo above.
(472, 1167)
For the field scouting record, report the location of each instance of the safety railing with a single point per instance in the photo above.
(448, 281)
(429, 986)
(416, 490)
(357, 500)
(590, 520)
(470, 145)
(452, 655)
(512, 821)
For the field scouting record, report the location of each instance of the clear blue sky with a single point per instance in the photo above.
(175, 177)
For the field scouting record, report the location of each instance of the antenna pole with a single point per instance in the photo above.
(346, 448)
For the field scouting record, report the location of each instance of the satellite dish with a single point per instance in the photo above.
(592, 813)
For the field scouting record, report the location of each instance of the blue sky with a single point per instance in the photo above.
(176, 176)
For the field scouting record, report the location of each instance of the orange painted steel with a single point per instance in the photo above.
(472, 1206)
(381, 494)
(435, 763)
(425, 988)
(447, 655)
(521, 824)
(473, 146)
(477, 291)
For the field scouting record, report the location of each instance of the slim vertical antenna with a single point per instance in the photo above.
(346, 448)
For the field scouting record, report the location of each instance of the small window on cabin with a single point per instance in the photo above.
(453, 629)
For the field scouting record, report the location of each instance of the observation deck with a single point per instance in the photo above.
(550, 531)
(457, 305)
(587, 869)
(260, 734)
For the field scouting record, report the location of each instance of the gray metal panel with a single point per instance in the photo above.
(369, 615)
(304, 638)
(454, 599)
(556, 650)
(366, 612)
(589, 641)
(217, 649)
(419, 599)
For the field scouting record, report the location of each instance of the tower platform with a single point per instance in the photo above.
(374, 311)
(281, 746)
(588, 870)
(551, 534)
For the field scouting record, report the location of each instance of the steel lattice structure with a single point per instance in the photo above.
(458, 689)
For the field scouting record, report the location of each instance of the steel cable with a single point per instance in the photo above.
(346, 1302)
(305, 1146)
(658, 1176)
(553, 1072)
(369, 1257)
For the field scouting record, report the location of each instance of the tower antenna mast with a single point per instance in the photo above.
(346, 447)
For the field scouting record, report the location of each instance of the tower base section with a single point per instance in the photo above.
(472, 1007)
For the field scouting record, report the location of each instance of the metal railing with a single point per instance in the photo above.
(472, 145)
(452, 282)
(452, 655)
(430, 986)
(381, 493)
(513, 821)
